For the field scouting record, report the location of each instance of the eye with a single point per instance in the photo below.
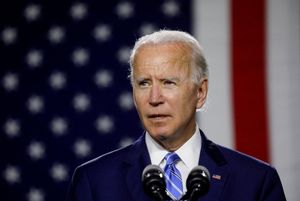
(143, 83)
(169, 82)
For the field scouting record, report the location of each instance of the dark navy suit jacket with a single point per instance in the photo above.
(116, 176)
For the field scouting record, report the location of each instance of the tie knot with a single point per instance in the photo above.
(171, 158)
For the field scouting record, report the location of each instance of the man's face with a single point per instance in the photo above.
(164, 94)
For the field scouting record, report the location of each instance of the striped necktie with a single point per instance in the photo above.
(173, 177)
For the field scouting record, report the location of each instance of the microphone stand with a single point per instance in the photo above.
(159, 194)
(158, 197)
(193, 195)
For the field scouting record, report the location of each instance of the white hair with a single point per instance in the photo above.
(198, 63)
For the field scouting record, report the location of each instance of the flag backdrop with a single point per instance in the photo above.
(65, 97)
(253, 52)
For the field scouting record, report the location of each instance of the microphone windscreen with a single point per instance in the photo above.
(151, 169)
(154, 182)
(197, 183)
(202, 170)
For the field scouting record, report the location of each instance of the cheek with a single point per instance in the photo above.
(139, 100)
(187, 103)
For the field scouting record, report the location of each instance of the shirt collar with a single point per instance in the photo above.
(189, 152)
(156, 151)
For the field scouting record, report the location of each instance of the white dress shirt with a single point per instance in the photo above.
(189, 154)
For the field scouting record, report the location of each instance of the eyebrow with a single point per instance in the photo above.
(175, 79)
(140, 79)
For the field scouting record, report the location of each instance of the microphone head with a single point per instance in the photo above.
(153, 181)
(198, 181)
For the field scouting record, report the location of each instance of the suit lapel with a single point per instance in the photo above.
(214, 161)
(210, 157)
(137, 159)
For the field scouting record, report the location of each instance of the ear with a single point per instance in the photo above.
(202, 93)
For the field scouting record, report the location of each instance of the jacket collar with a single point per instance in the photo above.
(137, 159)
(210, 157)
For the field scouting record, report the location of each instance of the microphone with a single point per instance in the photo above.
(154, 183)
(197, 183)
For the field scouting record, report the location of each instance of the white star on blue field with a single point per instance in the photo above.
(65, 96)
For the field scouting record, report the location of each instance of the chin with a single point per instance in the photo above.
(160, 135)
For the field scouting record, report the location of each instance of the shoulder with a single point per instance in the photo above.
(234, 159)
(103, 170)
(107, 161)
(233, 156)
(248, 168)
(89, 178)
(249, 174)
(116, 159)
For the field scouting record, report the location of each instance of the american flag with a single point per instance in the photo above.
(65, 96)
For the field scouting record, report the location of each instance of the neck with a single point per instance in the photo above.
(172, 144)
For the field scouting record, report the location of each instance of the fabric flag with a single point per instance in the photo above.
(65, 97)
(64, 93)
(253, 50)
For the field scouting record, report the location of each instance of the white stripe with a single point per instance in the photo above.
(179, 190)
(212, 28)
(172, 196)
(284, 91)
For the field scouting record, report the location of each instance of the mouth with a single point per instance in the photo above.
(158, 116)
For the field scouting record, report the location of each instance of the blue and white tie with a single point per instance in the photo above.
(173, 176)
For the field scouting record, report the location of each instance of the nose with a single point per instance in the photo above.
(155, 96)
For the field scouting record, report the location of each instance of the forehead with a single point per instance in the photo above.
(173, 56)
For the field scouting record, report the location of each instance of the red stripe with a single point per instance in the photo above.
(249, 79)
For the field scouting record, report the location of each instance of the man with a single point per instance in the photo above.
(169, 79)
